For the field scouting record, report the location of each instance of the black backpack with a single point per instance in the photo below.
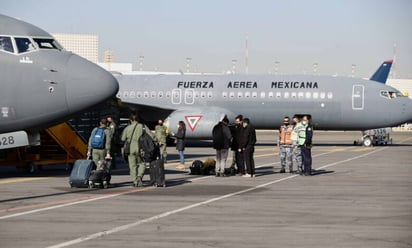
(218, 136)
(148, 147)
(196, 168)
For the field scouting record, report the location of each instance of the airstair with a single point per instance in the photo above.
(60, 144)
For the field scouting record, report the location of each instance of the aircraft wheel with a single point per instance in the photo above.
(367, 142)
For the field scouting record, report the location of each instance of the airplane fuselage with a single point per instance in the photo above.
(335, 103)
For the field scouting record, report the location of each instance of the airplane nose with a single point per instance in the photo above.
(87, 84)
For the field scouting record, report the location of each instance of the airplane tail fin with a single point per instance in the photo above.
(383, 71)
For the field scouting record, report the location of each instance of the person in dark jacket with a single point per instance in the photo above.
(307, 146)
(247, 145)
(221, 142)
(180, 143)
(237, 132)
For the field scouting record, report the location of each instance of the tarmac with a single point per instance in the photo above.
(357, 197)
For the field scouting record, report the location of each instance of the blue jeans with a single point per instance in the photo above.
(181, 157)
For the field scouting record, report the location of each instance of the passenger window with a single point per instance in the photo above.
(24, 45)
(247, 94)
(5, 44)
(146, 94)
(322, 95)
(139, 94)
(153, 94)
(278, 95)
(330, 95)
(132, 94)
(254, 94)
(210, 94)
(125, 94)
(293, 94)
(315, 95)
(168, 94)
(300, 94)
(239, 94)
(286, 95)
(224, 94)
(232, 94)
(270, 94)
(47, 43)
(160, 94)
(262, 95)
(308, 95)
(202, 94)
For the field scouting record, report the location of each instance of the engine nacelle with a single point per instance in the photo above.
(199, 123)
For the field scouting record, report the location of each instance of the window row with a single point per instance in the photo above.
(209, 94)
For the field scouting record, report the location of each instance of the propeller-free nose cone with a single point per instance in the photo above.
(87, 84)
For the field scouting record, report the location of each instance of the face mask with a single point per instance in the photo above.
(286, 123)
(304, 122)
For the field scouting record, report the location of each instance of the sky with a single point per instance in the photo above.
(291, 35)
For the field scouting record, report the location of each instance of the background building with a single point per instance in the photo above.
(85, 45)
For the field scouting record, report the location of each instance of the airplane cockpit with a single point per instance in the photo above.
(19, 45)
(391, 94)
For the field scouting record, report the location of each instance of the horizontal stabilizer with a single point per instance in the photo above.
(383, 71)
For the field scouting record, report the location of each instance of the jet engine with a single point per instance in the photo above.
(199, 123)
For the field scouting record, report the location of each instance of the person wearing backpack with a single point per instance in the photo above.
(221, 142)
(99, 143)
(132, 134)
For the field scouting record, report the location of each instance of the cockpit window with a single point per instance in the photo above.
(47, 43)
(391, 94)
(24, 45)
(5, 44)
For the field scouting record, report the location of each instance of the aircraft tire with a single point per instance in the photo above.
(367, 142)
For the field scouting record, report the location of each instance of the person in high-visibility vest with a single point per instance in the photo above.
(285, 145)
(298, 139)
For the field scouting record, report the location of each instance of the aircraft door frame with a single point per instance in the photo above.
(189, 96)
(176, 96)
(358, 97)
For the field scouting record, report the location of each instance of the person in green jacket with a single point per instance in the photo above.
(161, 132)
(132, 134)
(99, 145)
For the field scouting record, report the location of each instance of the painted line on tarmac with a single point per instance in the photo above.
(195, 205)
(65, 203)
(20, 180)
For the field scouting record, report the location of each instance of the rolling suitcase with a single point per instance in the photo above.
(157, 173)
(79, 177)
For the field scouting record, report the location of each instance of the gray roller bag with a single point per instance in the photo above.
(79, 177)
(157, 173)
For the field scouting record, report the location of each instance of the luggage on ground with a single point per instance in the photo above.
(79, 176)
(157, 173)
(101, 177)
(196, 168)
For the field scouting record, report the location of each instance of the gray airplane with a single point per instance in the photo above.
(335, 103)
(41, 83)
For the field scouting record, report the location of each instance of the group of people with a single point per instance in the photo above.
(295, 143)
(241, 139)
